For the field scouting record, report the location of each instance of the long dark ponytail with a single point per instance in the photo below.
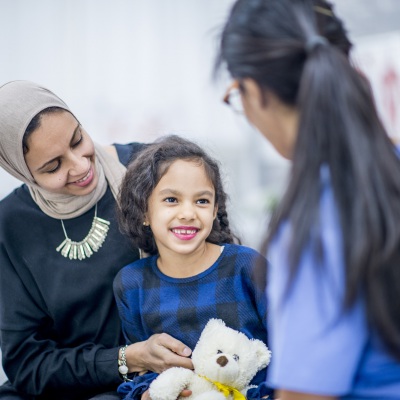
(282, 50)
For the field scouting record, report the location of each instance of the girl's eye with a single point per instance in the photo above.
(203, 201)
(170, 200)
(236, 357)
(55, 169)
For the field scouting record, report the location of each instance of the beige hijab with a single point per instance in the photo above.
(20, 101)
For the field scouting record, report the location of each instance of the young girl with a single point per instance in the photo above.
(334, 244)
(173, 206)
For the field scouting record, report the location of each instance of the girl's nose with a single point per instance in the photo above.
(187, 212)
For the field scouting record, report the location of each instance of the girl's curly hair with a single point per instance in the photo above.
(143, 175)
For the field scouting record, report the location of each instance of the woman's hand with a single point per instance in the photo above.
(158, 353)
(185, 393)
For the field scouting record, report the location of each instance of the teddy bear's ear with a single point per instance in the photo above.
(212, 327)
(262, 352)
(211, 330)
(214, 323)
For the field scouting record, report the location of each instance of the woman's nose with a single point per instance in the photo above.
(78, 164)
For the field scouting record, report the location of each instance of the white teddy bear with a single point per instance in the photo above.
(225, 361)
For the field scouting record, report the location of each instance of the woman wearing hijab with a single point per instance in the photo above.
(60, 249)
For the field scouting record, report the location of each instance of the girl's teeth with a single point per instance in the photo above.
(184, 231)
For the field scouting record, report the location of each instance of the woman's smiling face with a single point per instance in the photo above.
(61, 155)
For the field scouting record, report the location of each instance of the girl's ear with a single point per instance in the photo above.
(215, 211)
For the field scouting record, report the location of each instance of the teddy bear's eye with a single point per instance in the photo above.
(236, 357)
(219, 352)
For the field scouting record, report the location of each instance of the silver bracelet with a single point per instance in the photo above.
(122, 367)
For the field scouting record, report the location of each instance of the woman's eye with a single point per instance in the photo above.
(170, 200)
(236, 357)
(78, 142)
(55, 169)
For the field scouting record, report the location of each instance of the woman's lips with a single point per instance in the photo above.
(86, 180)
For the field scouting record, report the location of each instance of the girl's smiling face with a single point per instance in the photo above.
(181, 208)
(61, 155)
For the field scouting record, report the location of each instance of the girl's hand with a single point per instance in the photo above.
(146, 396)
(158, 353)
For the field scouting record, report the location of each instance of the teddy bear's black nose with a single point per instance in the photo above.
(222, 361)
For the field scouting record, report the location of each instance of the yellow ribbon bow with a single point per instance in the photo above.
(226, 390)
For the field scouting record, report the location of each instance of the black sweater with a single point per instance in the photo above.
(59, 324)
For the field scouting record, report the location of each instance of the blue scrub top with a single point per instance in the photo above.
(317, 347)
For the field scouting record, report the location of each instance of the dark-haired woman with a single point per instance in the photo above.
(334, 242)
(60, 248)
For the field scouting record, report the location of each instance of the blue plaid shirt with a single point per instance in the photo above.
(150, 302)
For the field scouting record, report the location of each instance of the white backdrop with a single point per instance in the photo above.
(379, 56)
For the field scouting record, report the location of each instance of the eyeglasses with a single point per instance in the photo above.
(233, 98)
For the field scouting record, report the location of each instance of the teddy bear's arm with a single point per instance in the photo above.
(169, 384)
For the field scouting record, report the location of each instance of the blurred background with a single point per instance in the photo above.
(135, 70)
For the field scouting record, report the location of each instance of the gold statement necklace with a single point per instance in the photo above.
(90, 244)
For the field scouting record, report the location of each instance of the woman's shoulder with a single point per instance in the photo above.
(127, 152)
(18, 200)
(18, 214)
